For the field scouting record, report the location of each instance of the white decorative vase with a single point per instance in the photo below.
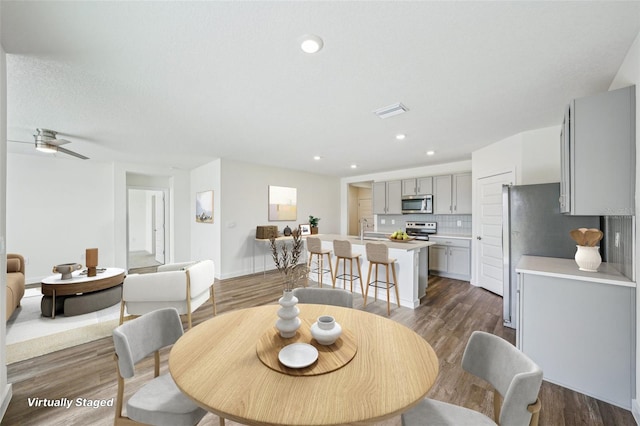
(588, 258)
(288, 321)
(326, 330)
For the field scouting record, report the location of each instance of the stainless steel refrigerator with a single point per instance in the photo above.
(533, 225)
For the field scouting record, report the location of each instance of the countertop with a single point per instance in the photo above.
(409, 245)
(567, 268)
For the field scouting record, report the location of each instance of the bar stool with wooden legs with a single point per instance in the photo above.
(342, 250)
(378, 254)
(314, 245)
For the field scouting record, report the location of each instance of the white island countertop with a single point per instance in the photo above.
(408, 245)
(567, 268)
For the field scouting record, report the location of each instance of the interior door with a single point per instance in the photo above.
(158, 227)
(489, 244)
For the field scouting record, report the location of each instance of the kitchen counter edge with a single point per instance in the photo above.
(567, 268)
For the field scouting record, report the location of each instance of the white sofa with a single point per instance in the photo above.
(184, 286)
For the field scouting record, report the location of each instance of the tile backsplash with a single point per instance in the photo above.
(447, 224)
(621, 256)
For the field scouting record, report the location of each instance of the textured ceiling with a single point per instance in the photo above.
(181, 83)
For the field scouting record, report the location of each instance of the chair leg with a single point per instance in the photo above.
(386, 269)
(534, 409)
(395, 283)
(335, 277)
(213, 299)
(360, 275)
(121, 311)
(222, 421)
(351, 274)
(329, 262)
(320, 266)
(376, 284)
(366, 288)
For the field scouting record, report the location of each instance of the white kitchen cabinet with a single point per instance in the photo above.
(450, 257)
(598, 155)
(387, 197)
(417, 186)
(579, 327)
(452, 194)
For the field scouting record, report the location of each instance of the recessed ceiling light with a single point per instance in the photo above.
(354, 166)
(401, 136)
(316, 157)
(311, 43)
(430, 152)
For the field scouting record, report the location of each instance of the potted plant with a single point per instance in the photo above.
(313, 221)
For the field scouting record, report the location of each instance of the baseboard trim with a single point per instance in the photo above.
(635, 410)
(8, 393)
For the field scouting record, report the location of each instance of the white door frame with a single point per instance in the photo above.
(165, 192)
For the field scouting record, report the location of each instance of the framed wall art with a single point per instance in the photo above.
(305, 229)
(282, 203)
(204, 207)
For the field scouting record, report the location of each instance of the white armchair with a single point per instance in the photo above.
(184, 286)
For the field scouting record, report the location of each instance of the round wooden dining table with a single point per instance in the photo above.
(223, 365)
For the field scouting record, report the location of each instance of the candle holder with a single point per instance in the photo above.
(91, 259)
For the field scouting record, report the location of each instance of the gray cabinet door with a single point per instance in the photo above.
(459, 261)
(462, 193)
(442, 203)
(438, 258)
(424, 186)
(379, 198)
(394, 197)
(602, 154)
(409, 187)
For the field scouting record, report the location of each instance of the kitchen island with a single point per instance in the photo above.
(412, 266)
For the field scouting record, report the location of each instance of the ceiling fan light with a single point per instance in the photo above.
(47, 148)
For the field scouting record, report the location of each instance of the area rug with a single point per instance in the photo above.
(29, 334)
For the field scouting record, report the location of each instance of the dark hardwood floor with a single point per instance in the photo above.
(451, 311)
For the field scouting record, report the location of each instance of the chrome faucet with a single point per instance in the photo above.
(363, 225)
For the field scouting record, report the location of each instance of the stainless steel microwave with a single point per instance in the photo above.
(417, 204)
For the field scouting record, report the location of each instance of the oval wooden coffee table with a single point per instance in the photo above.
(217, 365)
(54, 285)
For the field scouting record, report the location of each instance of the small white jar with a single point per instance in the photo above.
(326, 330)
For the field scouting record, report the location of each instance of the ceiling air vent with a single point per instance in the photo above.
(391, 110)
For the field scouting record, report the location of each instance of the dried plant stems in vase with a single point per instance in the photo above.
(287, 262)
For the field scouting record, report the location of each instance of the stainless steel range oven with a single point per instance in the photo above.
(421, 230)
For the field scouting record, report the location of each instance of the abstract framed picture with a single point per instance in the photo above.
(282, 203)
(204, 207)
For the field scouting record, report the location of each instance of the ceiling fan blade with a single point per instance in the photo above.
(75, 154)
(11, 140)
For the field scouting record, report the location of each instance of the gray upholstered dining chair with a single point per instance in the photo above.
(324, 296)
(514, 376)
(159, 401)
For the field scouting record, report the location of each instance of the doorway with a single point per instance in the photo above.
(360, 208)
(146, 228)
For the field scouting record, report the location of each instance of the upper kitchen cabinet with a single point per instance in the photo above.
(598, 155)
(452, 194)
(419, 186)
(387, 197)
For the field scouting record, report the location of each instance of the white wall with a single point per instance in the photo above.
(629, 74)
(5, 388)
(54, 215)
(139, 238)
(244, 205)
(205, 237)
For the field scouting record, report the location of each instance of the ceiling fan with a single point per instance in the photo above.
(46, 141)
